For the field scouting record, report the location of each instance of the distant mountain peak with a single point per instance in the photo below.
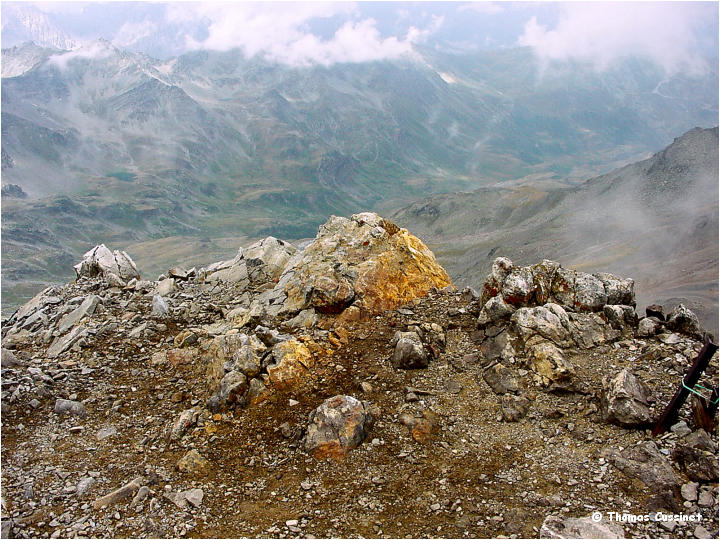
(24, 22)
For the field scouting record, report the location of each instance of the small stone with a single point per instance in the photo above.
(140, 496)
(106, 432)
(689, 491)
(160, 308)
(193, 463)
(291, 522)
(73, 408)
(701, 532)
(194, 496)
(706, 499)
(681, 429)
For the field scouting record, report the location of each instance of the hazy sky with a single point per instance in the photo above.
(675, 35)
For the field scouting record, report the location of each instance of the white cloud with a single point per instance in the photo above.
(484, 8)
(88, 51)
(131, 32)
(279, 32)
(600, 33)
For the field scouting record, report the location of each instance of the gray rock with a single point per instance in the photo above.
(495, 310)
(649, 326)
(550, 321)
(86, 309)
(9, 359)
(140, 496)
(706, 499)
(681, 319)
(647, 464)
(307, 318)
(589, 330)
(232, 388)
(409, 351)
(702, 532)
(621, 317)
(689, 491)
(337, 426)
(106, 432)
(73, 408)
(681, 429)
(63, 343)
(160, 308)
(500, 379)
(84, 485)
(625, 400)
(619, 291)
(101, 261)
(165, 286)
(561, 527)
(696, 454)
(194, 496)
(266, 260)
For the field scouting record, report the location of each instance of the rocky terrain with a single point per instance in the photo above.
(346, 388)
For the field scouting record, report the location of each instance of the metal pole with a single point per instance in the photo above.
(669, 416)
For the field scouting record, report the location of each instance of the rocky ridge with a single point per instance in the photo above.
(346, 389)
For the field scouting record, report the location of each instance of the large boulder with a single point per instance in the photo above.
(681, 319)
(646, 463)
(625, 400)
(550, 321)
(337, 426)
(115, 266)
(366, 262)
(267, 259)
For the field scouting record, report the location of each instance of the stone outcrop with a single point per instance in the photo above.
(547, 281)
(338, 425)
(115, 266)
(537, 312)
(357, 266)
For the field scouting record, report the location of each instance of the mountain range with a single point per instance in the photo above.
(655, 220)
(188, 156)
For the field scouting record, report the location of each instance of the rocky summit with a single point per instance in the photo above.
(345, 388)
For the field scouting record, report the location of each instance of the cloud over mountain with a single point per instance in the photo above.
(599, 33)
